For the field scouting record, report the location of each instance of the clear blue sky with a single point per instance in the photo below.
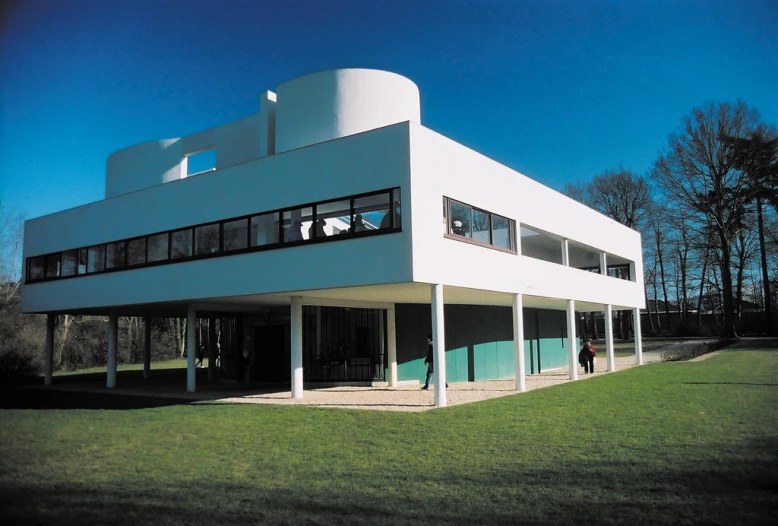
(559, 90)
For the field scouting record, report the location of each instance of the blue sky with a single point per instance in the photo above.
(559, 90)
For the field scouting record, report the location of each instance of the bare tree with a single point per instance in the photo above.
(620, 195)
(576, 191)
(697, 172)
(11, 237)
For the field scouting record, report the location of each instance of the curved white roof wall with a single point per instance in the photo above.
(143, 165)
(340, 102)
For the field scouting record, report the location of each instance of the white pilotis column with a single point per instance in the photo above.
(49, 359)
(573, 348)
(565, 253)
(520, 372)
(297, 347)
(191, 349)
(603, 264)
(439, 345)
(638, 337)
(609, 337)
(146, 347)
(113, 331)
(391, 344)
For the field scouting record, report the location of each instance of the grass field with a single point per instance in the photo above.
(682, 443)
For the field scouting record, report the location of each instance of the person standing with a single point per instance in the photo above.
(428, 361)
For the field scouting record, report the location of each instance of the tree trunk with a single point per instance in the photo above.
(702, 290)
(67, 322)
(729, 330)
(768, 315)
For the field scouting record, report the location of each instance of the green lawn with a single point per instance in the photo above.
(179, 363)
(682, 443)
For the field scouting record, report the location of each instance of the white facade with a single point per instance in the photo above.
(324, 137)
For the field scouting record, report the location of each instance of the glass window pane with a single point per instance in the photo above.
(264, 229)
(69, 262)
(82, 257)
(336, 215)
(136, 251)
(158, 245)
(236, 234)
(501, 232)
(481, 226)
(36, 268)
(115, 254)
(181, 244)
(52, 266)
(95, 259)
(369, 211)
(297, 224)
(460, 219)
(207, 239)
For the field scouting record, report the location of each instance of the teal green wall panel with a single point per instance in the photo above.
(505, 361)
(479, 341)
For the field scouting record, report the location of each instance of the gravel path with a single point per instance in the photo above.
(411, 398)
(408, 397)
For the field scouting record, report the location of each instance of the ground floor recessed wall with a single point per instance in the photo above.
(479, 341)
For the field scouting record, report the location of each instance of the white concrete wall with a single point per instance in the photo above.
(441, 167)
(156, 162)
(335, 103)
(357, 164)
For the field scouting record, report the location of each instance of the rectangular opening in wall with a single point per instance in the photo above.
(583, 257)
(540, 245)
(199, 162)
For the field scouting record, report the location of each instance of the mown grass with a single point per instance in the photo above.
(178, 363)
(682, 443)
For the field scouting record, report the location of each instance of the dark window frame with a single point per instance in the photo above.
(449, 234)
(394, 199)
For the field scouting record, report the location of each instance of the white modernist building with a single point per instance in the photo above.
(326, 236)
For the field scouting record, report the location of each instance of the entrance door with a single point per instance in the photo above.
(269, 364)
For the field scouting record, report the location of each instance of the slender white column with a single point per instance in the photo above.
(49, 359)
(391, 344)
(439, 345)
(113, 331)
(146, 347)
(518, 343)
(565, 253)
(297, 347)
(609, 337)
(638, 337)
(603, 264)
(191, 349)
(573, 348)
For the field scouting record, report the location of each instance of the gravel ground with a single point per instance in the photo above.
(407, 397)
(411, 398)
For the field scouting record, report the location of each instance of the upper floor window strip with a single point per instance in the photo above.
(354, 216)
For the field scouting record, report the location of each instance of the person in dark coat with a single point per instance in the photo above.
(586, 357)
(428, 361)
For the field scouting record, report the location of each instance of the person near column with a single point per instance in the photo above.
(586, 357)
(428, 361)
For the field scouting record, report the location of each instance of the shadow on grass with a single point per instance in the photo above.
(736, 491)
(13, 397)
